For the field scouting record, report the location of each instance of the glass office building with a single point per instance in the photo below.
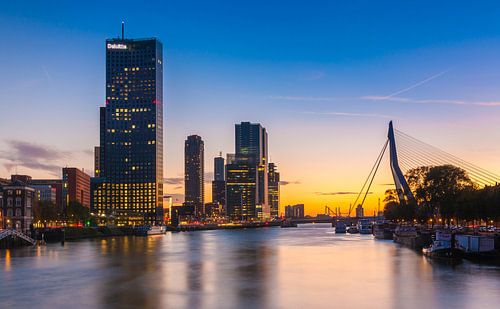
(129, 188)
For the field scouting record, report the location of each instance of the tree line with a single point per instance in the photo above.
(45, 212)
(444, 191)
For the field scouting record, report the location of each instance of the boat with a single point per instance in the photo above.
(157, 230)
(476, 247)
(352, 230)
(150, 230)
(340, 228)
(384, 230)
(441, 247)
(364, 226)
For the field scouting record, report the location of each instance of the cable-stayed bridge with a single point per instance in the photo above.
(407, 153)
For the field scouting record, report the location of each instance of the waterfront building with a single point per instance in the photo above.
(17, 203)
(219, 183)
(213, 210)
(56, 184)
(274, 190)
(294, 211)
(241, 191)
(76, 186)
(360, 211)
(247, 174)
(45, 193)
(130, 178)
(194, 173)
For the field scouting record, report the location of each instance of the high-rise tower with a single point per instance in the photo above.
(130, 183)
(194, 173)
(219, 182)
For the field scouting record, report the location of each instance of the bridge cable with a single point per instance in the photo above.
(473, 170)
(375, 165)
(373, 177)
(438, 158)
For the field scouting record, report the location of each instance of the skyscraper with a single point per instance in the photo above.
(194, 173)
(219, 168)
(130, 184)
(247, 174)
(219, 182)
(274, 190)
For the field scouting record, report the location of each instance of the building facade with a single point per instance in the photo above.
(57, 185)
(194, 173)
(130, 184)
(45, 193)
(97, 161)
(76, 186)
(241, 191)
(274, 190)
(17, 208)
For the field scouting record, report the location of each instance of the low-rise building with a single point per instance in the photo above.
(17, 206)
(294, 211)
(45, 193)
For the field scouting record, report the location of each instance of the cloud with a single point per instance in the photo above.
(431, 101)
(339, 193)
(286, 183)
(33, 156)
(176, 198)
(88, 152)
(302, 98)
(174, 181)
(347, 114)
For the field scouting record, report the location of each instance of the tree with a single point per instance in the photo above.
(45, 211)
(438, 188)
(76, 212)
(393, 209)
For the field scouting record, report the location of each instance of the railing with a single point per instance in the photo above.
(14, 233)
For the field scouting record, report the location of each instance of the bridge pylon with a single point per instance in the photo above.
(404, 193)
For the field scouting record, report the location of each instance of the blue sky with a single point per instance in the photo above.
(324, 77)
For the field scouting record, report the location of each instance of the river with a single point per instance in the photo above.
(304, 267)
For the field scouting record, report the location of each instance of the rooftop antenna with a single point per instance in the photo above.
(123, 30)
(220, 153)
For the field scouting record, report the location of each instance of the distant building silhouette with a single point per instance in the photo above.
(219, 183)
(274, 190)
(294, 211)
(360, 211)
(194, 173)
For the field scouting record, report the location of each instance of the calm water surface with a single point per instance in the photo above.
(305, 267)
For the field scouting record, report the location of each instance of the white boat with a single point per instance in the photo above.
(441, 246)
(156, 230)
(364, 226)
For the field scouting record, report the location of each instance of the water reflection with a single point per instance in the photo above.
(307, 267)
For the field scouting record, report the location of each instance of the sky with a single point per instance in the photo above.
(323, 77)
